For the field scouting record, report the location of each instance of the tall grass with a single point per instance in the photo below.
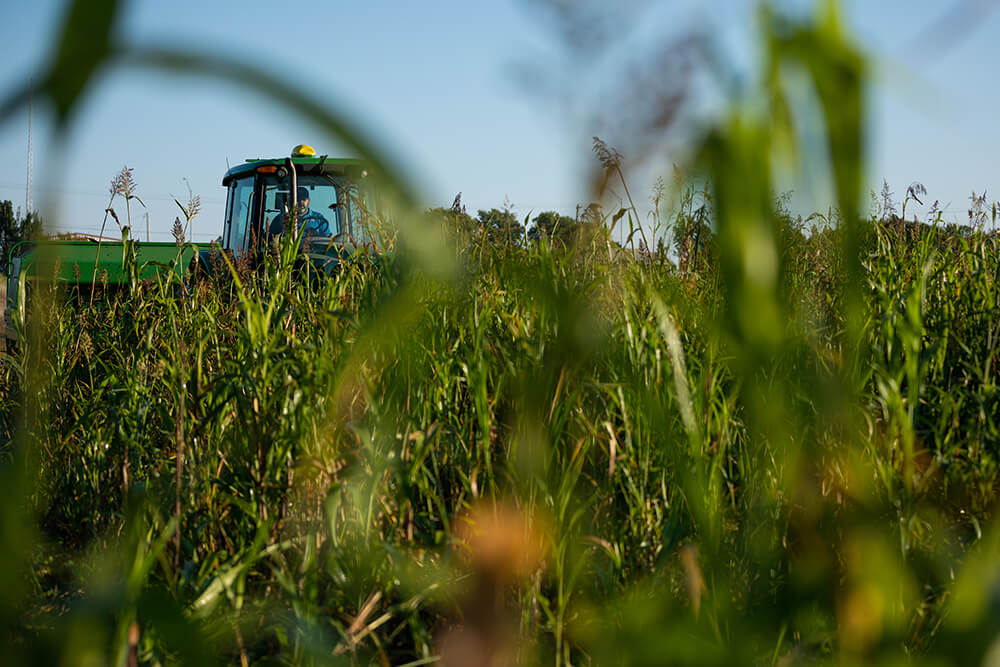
(305, 470)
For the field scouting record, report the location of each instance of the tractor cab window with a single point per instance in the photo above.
(238, 215)
(361, 216)
(320, 206)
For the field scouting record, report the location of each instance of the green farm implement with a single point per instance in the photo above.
(324, 202)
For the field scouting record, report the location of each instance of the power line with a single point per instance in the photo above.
(87, 193)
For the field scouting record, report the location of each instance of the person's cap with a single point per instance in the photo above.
(303, 194)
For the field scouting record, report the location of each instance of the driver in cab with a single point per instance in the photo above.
(310, 223)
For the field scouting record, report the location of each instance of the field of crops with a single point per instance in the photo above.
(731, 436)
(549, 453)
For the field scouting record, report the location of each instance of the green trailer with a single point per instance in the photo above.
(76, 261)
(85, 262)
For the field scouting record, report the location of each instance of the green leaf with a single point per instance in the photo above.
(83, 47)
(326, 115)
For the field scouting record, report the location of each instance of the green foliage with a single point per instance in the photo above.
(500, 226)
(16, 227)
(558, 229)
(692, 232)
(289, 454)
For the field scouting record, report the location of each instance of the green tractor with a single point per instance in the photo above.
(325, 203)
(331, 198)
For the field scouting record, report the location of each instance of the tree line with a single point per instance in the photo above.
(502, 226)
(16, 226)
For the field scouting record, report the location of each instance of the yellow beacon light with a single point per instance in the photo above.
(303, 150)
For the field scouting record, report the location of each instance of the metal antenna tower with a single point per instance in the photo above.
(27, 188)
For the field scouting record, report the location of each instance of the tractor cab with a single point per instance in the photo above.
(324, 202)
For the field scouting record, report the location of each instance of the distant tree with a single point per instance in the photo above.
(500, 226)
(31, 227)
(15, 228)
(558, 229)
(8, 230)
(455, 218)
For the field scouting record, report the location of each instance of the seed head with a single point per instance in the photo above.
(123, 184)
(178, 231)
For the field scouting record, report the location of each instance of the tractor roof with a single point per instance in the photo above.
(304, 164)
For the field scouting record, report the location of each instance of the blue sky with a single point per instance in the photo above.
(473, 97)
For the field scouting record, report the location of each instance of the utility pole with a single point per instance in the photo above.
(27, 187)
